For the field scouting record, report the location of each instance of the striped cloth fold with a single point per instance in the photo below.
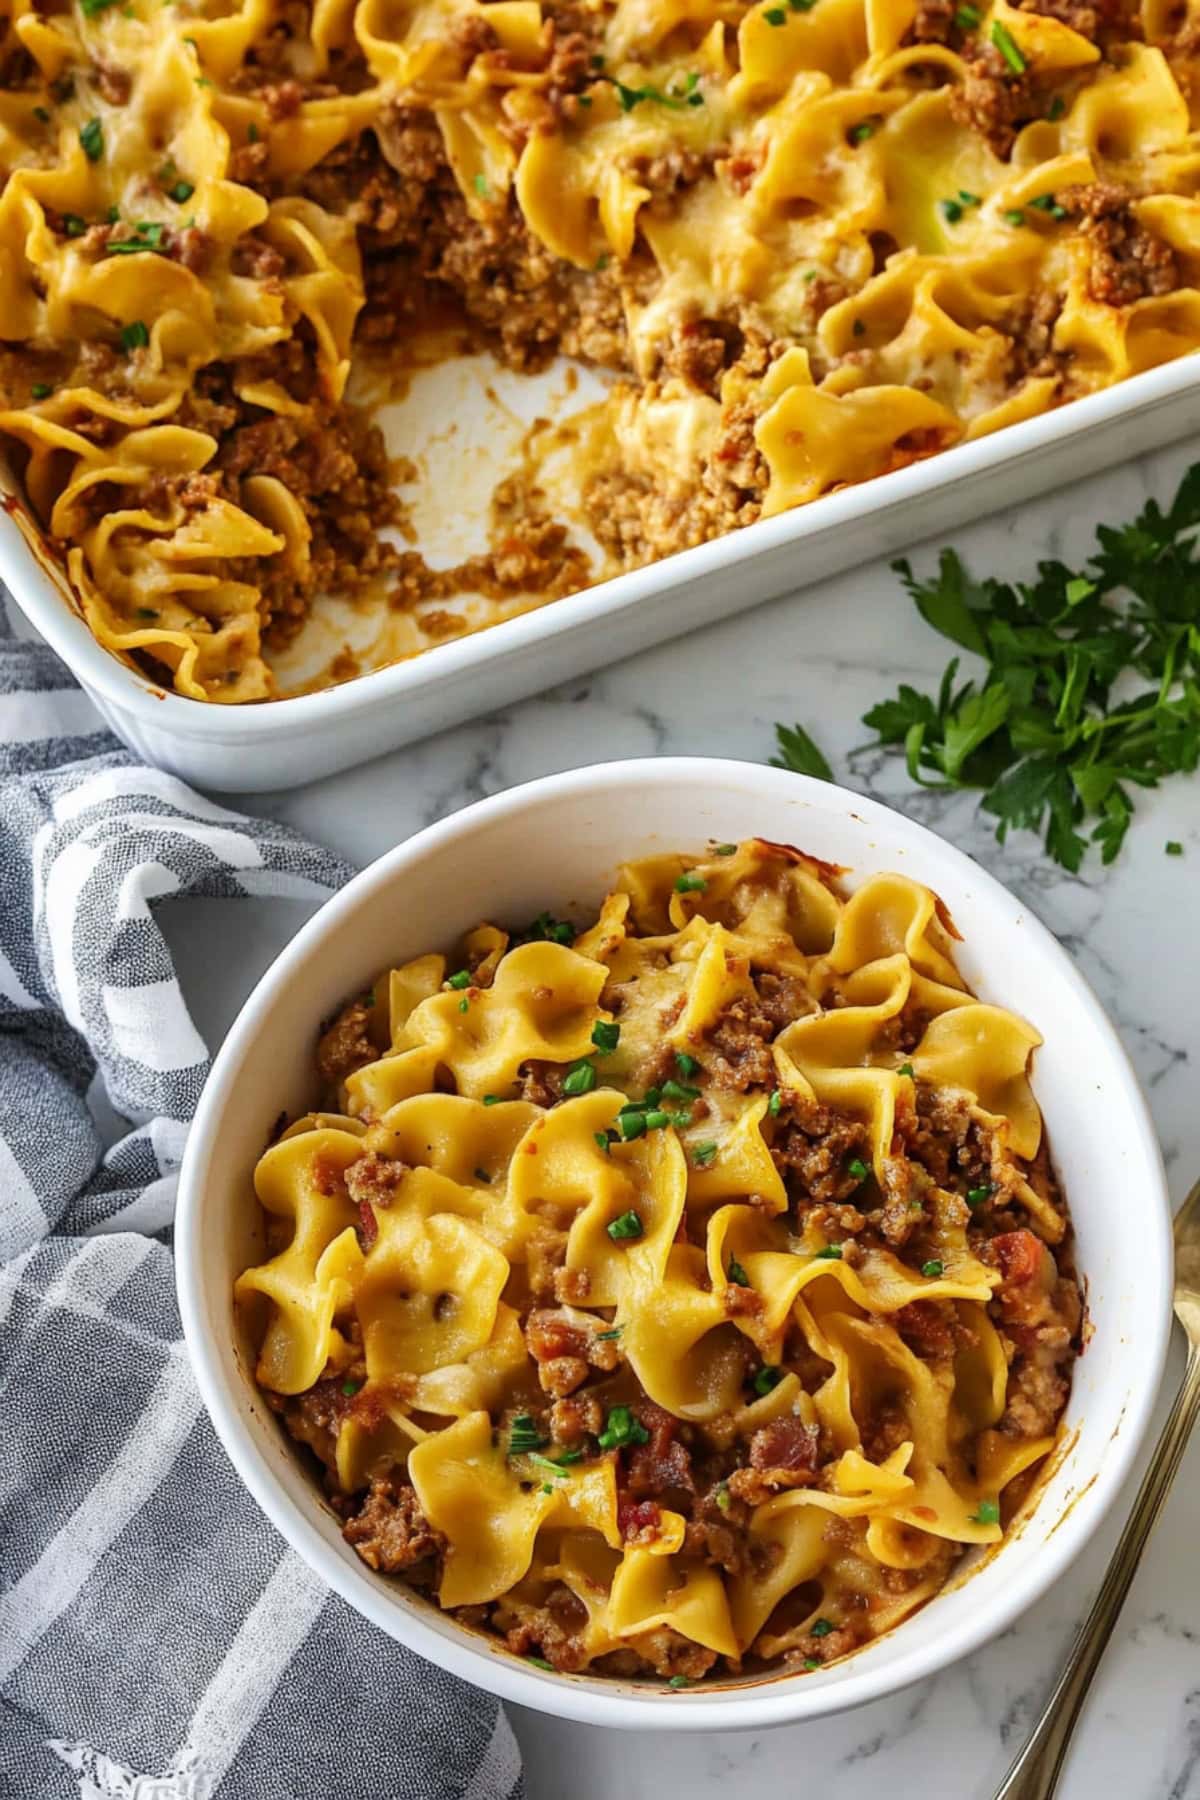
(158, 1640)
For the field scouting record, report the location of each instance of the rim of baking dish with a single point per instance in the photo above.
(62, 624)
(595, 1700)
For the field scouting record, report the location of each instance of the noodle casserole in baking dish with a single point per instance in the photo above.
(782, 247)
(681, 1295)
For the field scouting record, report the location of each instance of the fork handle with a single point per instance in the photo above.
(1034, 1775)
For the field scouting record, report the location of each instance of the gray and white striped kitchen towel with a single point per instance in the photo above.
(158, 1641)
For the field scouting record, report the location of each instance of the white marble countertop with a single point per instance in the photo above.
(824, 656)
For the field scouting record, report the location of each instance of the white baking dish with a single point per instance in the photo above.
(287, 742)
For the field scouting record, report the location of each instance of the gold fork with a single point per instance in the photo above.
(1034, 1775)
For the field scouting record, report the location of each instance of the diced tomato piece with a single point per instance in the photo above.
(1021, 1257)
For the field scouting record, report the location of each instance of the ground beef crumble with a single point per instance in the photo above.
(389, 1530)
(1125, 261)
(346, 1044)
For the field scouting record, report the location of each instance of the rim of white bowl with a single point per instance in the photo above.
(781, 1699)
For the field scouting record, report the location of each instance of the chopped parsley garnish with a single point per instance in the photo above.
(621, 1428)
(686, 1064)
(351, 1387)
(628, 1225)
(987, 1513)
(1014, 216)
(1003, 39)
(724, 849)
(491, 1099)
(858, 1168)
(539, 1662)
(252, 133)
(775, 15)
(580, 1077)
(679, 1090)
(464, 1005)
(859, 328)
(182, 190)
(479, 183)
(703, 1154)
(113, 214)
(91, 136)
(1048, 204)
(768, 1377)
(482, 1175)
(831, 1253)
(557, 931)
(524, 1436)
(148, 612)
(89, 8)
(603, 1141)
(1056, 109)
(631, 1123)
(690, 884)
(657, 1119)
(863, 130)
(812, 1662)
(146, 236)
(460, 979)
(821, 1628)
(629, 97)
(682, 1681)
(41, 390)
(73, 225)
(774, 1103)
(135, 336)
(966, 18)
(722, 1496)
(798, 753)
(614, 1331)
(1173, 847)
(41, 115)
(977, 1195)
(951, 210)
(555, 1465)
(932, 1268)
(907, 1069)
(1038, 732)
(606, 1035)
(737, 1274)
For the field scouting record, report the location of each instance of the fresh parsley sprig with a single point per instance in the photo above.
(1042, 733)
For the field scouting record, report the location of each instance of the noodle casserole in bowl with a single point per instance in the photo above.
(688, 1267)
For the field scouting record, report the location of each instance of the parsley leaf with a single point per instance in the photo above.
(798, 753)
(1091, 688)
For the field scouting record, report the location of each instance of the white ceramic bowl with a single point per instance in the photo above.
(555, 843)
